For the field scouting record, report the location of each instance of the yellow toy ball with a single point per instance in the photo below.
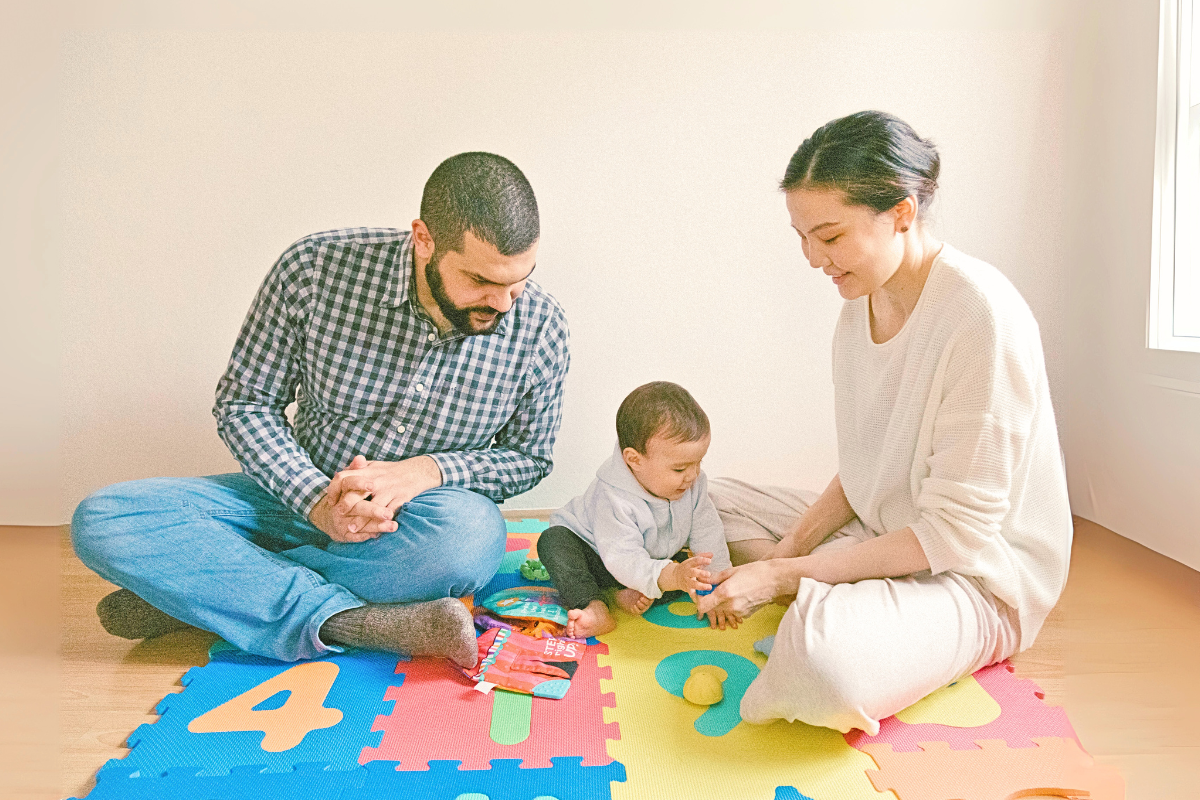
(703, 688)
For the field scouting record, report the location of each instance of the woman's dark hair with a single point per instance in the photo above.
(482, 193)
(873, 158)
(659, 408)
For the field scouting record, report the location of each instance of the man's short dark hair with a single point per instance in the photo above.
(482, 193)
(660, 408)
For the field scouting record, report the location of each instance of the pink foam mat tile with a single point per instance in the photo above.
(438, 714)
(1024, 716)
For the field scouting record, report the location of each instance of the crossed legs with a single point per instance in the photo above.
(223, 554)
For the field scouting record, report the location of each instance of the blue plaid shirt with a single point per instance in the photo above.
(337, 327)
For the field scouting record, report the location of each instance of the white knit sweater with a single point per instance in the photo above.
(948, 428)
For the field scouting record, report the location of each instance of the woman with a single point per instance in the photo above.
(943, 541)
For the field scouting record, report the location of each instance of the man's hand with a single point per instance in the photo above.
(361, 500)
(369, 521)
(366, 486)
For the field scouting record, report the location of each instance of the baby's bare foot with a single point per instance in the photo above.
(633, 601)
(591, 621)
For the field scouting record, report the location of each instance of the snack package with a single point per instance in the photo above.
(485, 619)
(514, 661)
(529, 603)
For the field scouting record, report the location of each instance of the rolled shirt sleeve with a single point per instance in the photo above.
(336, 328)
(260, 381)
(522, 453)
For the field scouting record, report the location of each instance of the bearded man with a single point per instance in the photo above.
(426, 370)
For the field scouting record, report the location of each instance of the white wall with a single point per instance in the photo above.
(29, 330)
(1133, 414)
(190, 160)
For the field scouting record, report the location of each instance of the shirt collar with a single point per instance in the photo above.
(402, 275)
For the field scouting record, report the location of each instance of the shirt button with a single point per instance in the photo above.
(420, 387)
(432, 337)
(399, 428)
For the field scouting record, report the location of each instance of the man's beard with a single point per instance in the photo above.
(460, 318)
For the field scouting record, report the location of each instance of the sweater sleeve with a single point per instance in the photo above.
(708, 532)
(979, 437)
(622, 547)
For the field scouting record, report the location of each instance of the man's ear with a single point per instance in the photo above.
(422, 241)
(632, 457)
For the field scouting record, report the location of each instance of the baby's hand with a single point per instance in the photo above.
(688, 576)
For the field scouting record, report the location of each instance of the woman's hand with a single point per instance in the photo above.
(721, 619)
(743, 590)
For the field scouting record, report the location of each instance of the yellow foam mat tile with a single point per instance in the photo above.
(665, 757)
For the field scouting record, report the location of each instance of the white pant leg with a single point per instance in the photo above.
(851, 654)
(765, 512)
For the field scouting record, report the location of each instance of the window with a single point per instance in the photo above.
(1174, 322)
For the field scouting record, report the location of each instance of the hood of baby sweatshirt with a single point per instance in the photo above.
(616, 474)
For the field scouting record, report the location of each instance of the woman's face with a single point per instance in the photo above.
(858, 247)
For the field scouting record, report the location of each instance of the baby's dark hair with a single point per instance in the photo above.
(659, 408)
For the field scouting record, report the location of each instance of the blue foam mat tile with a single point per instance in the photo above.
(512, 561)
(358, 691)
(250, 782)
(567, 779)
(789, 793)
(526, 525)
(505, 580)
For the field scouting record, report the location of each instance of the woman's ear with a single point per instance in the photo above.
(906, 213)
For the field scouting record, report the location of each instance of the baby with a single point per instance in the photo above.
(648, 501)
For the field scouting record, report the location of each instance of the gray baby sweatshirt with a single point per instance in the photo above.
(635, 532)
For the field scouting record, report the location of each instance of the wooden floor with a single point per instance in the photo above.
(1121, 653)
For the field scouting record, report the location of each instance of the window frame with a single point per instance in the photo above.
(1175, 50)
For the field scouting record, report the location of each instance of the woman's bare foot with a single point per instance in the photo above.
(633, 601)
(591, 621)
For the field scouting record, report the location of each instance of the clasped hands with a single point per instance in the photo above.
(361, 500)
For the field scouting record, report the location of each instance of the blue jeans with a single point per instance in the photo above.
(223, 554)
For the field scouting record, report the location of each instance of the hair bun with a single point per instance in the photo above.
(874, 158)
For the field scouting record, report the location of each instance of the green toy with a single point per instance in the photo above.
(532, 570)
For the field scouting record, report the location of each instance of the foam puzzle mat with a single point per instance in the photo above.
(370, 725)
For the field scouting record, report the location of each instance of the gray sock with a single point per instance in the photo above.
(440, 627)
(124, 614)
